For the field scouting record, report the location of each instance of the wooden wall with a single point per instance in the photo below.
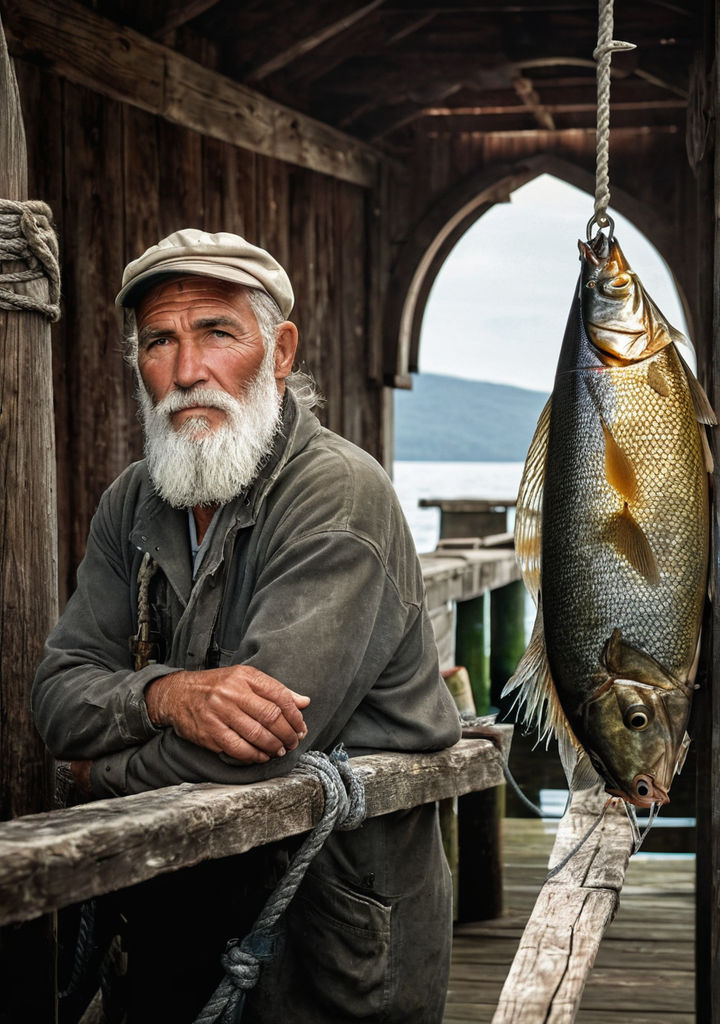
(651, 183)
(118, 179)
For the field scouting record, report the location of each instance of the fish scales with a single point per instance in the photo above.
(612, 535)
(590, 587)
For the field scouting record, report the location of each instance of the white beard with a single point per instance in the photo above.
(197, 465)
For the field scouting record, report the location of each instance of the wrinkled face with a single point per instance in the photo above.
(621, 320)
(635, 736)
(198, 332)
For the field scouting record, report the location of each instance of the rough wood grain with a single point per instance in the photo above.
(51, 860)
(124, 65)
(28, 539)
(572, 911)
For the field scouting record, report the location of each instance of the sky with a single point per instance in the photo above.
(498, 307)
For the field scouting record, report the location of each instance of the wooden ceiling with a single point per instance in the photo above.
(383, 69)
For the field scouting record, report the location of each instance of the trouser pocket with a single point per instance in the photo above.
(334, 959)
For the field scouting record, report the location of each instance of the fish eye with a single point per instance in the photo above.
(637, 717)
(642, 787)
(591, 284)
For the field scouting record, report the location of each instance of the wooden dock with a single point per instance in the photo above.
(644, 972)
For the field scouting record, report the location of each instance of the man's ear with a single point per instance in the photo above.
(285, 346)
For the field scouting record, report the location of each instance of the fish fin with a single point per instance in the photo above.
(707, 454)
(628, 539)
(704, 412)
(528, 514)
(662, 326)
(537, 695)
(578, 769)
(624, 661)
(657, 380)
(619, 470)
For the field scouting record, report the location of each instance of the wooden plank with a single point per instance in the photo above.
(460, 576)
(571, 913)
(28, 565)
(124, 65)
(28, 537)
(51, 860)
(312, 40)
(103, 423)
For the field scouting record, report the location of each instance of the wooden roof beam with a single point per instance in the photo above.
(177, 13)
(311, 42)
(92, 51)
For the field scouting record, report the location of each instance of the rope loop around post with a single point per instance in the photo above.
(27, 238)
(602, 54)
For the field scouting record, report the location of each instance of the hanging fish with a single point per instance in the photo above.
(611, 534)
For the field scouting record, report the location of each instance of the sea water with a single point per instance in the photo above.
(415, 480)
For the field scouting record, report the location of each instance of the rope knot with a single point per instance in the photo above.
(344, 809)
(27, 237)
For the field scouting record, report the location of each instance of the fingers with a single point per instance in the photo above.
(281, 713)
(237, 710)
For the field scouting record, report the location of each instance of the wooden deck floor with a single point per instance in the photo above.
(644, 972)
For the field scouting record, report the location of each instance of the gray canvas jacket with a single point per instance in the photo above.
(312, 577)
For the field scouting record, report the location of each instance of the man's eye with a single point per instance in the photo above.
(153, 342)
(217, 333)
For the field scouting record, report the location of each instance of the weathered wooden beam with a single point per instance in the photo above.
(28, 534)
(179, 12)
(48, 861)
(459, 576)
(118, 62)
(572, 911)
(310, 42)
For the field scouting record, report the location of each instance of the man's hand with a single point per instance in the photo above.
(238, 711)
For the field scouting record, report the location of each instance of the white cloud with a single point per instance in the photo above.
(498, 307)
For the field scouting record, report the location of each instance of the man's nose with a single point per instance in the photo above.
(190, 367)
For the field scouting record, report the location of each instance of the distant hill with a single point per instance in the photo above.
(455, 420)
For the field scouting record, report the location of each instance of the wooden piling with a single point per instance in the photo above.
(28, 571)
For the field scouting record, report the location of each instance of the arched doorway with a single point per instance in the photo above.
(488, 341)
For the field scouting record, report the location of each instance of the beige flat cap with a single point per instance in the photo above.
(222, 255)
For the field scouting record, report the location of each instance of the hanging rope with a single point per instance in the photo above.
(603, 52)
(27, 237)
(344, 809)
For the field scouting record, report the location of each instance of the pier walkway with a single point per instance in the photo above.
(644, 972)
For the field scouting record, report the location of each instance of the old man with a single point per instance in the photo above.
(250, 590)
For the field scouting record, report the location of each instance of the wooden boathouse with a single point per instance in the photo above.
(356, 140)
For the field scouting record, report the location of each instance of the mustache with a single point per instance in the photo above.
(211, 398)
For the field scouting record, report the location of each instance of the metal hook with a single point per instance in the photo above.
(596, 219)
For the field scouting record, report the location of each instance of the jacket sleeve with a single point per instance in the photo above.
(327, 620)
(86, 699)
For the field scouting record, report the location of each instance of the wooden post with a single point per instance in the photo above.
(28, 542)
(28, 570)
(507, 635)
(472, 643)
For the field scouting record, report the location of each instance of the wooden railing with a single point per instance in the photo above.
(573, 909)
(48, 861)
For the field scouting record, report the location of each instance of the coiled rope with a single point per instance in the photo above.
(27, 238)
(602, 54)
(242, 960)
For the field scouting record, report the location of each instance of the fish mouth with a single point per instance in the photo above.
(644, 792)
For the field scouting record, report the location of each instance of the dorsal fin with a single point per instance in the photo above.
(619, 470)
(628, 539)
(528, 515)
